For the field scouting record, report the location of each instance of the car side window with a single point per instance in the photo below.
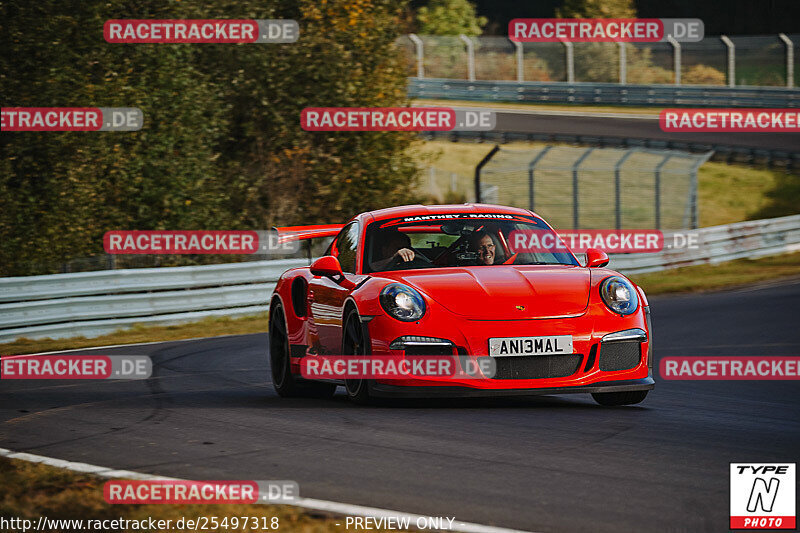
(346, 246)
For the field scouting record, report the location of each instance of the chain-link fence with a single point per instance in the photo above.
(763, 60)
(596, 188)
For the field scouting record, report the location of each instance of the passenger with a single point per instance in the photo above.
(482, 243)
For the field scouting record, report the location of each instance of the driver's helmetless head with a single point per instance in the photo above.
(391, 241)
(482, 243)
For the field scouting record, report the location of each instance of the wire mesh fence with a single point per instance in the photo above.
(597, 188)
(760, 60)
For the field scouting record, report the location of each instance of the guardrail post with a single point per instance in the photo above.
(470, 56)
(531, 168)
(520, 66)
(623, 64)
(658, 188)
(570, 61)
(618, 186)
(420, 54)
(575, 205)
(789, 59)
(731, 60)
(478, 168)
(676, 58)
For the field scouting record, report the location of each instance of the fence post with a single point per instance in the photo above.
(731, 60)
(520, 67)
(478, 168)
(575, 206)
(420, 54)
(470, 56)
(658, 188)
(618, 186)
(676, 58)
(695, 215)
(623, 64)
(570, 61)
(789, 59)
(531, 168)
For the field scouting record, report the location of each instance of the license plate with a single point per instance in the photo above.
(515, 346)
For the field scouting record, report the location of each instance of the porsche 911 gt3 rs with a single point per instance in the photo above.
(448, 281)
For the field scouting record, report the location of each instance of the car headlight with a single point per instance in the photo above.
(619, 295)
(402, 302)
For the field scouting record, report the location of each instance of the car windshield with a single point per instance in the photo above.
(454, 240)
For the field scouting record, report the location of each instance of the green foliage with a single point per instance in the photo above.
(221, 147)
(620, 9)
(450, 17)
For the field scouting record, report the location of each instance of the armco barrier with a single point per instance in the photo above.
(95, 303)
(716, 244)
(603, 93)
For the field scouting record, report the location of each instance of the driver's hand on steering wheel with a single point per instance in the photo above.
(405, 254)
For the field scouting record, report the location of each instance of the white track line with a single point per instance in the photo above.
(307, 503)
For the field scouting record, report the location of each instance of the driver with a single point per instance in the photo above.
(393, 244)
(482, 243)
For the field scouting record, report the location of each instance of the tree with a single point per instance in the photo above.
(450, 17)
(221, 146)
(619, 9)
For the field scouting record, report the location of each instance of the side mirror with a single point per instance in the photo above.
(327, 266)
(596, 258)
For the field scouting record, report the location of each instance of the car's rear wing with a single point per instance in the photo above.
(301, 233)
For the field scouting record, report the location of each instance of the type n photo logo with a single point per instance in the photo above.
(763, 495)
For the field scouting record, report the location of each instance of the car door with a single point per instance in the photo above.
(327, 298)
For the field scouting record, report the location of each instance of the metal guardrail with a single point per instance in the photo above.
(603, 93)
(95, 303)
(717, 244)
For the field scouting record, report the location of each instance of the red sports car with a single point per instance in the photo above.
(449, 281)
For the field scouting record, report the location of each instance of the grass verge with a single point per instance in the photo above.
(688, 279)
(704, 278)
(726, 192)
(521, 106)
(210, 327)
(29, 491)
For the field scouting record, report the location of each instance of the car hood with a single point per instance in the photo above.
(505, 292)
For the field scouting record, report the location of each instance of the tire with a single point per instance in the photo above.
(619, 398)
(286, 384)
(354, 343)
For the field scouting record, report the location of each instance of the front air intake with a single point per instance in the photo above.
(620, 355)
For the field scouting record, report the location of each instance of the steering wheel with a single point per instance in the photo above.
(419, 261)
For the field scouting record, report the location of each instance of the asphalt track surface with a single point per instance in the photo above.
(637, 128)
(538, 463)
